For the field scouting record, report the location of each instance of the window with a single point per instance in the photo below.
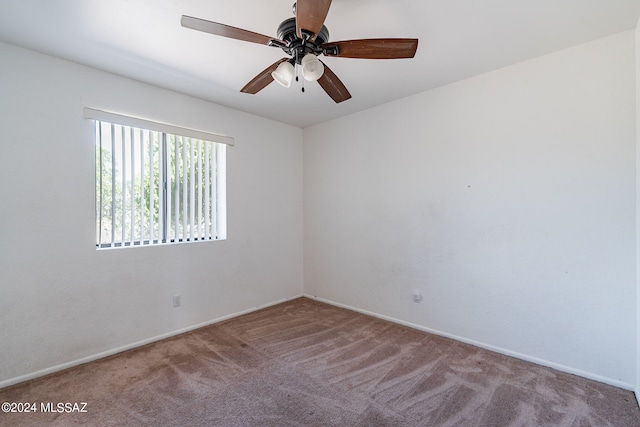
(156, 183)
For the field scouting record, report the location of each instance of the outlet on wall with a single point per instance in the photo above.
(416, 296)
(177, 300)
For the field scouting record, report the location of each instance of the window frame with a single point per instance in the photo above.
(196, 140)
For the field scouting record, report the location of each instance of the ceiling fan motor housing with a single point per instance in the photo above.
(297, 47)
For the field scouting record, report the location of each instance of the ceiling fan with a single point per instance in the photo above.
(303, 38)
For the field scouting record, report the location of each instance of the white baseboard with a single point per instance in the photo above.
(91, 358)
(500, 350)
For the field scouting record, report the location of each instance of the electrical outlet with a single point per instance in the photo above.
(417, 296)
(177, 300)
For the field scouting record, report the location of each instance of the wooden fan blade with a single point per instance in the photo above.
(310, 16)
(223, 30)
(263, 79)
(333, 86)
(372, 48)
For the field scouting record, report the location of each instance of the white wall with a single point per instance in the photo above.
(61, 300)
(507, 199)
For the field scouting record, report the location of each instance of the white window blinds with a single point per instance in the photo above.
(154, 186)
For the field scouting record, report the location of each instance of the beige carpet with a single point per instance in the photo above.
(304, 363)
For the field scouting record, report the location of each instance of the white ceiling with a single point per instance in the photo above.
(143, 40)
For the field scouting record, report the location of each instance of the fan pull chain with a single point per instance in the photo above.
(297, 79)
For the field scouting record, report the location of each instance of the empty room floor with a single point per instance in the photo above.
(304, 362)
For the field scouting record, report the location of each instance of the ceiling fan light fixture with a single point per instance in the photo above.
(284, 74)
(312, 68)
